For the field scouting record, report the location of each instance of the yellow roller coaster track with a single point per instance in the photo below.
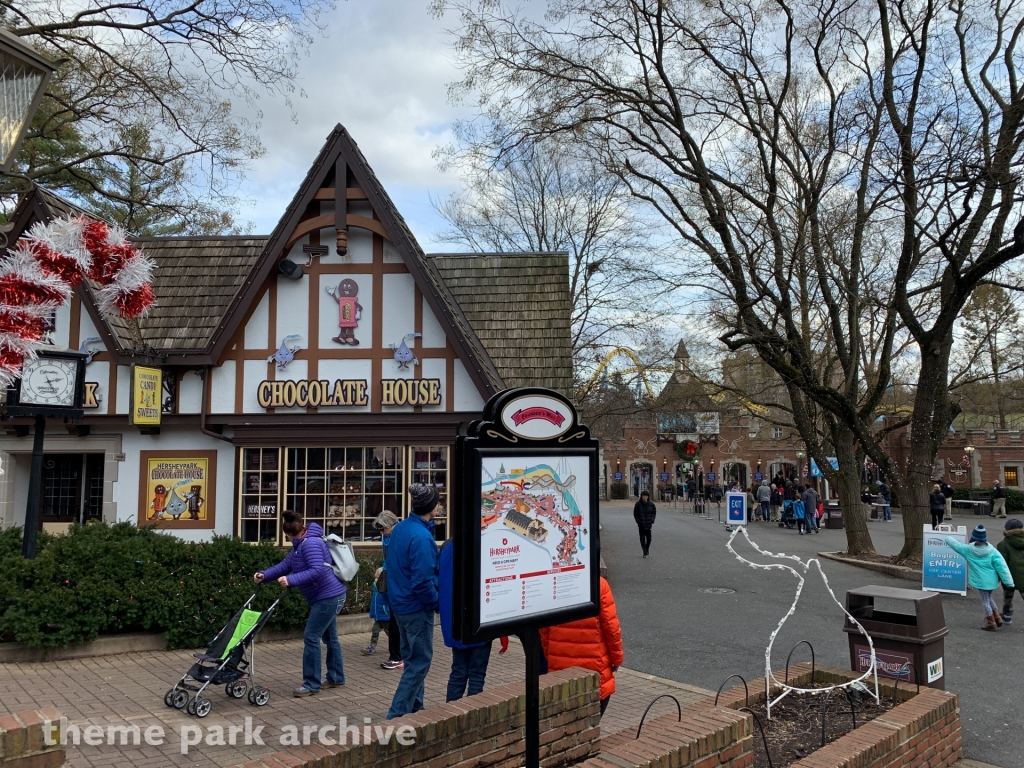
(637, 368)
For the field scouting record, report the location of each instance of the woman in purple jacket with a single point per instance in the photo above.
(308, 567)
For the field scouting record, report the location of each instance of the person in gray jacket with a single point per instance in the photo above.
(810, 500)
(764, 500)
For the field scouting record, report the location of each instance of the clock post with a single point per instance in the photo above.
(52, 384)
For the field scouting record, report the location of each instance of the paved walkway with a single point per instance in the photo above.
(128, 690)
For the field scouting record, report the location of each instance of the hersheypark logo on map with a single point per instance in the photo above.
(536, 417)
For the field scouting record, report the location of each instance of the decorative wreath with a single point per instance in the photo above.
(686, 449)
(39, 273)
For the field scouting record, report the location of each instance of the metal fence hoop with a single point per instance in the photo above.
(679, 709)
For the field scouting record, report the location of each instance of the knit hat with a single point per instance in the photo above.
(386, 519)
(424, 498)
(1013, 524)
(979, 534)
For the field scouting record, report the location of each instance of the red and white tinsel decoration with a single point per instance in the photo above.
(39, 273)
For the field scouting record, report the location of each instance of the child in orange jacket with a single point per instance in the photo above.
(594, 644)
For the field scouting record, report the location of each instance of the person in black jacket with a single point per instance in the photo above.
(947, 494)
(937, 502)
(998, 500)
(644, 513)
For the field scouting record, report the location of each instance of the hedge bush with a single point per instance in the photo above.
(101, 579)
(618, 491)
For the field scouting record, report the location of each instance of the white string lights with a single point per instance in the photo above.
(769, 674)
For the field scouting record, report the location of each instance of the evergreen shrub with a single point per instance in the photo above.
(102, 579)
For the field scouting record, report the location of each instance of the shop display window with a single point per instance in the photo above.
(344, 489)
(429, 466)
(260, 508)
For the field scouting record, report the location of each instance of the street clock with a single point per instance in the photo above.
(52, 384)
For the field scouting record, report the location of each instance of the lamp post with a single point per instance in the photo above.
(800, 469)
(969, 450)
(24, 75)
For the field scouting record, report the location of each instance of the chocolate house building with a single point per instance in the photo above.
(321, 368)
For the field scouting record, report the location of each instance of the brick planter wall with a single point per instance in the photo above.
(705, 738)
(482, 731)
(921, 732)
(21, 740)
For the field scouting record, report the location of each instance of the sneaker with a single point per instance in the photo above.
(303, 691)
(391, 664)
(1007, 618)
(368, 651)
(332, 685)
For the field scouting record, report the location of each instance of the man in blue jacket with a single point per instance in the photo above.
(412, 592)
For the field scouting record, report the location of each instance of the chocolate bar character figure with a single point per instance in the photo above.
(349, 311)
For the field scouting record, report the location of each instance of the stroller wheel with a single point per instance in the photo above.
(237, 689)
(180, 699)
(169, 698)
(191, 708)
(202, 707)
(252, 696)
(261, 697)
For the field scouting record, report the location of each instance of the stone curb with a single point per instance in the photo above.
(898, 571)
(114, 645)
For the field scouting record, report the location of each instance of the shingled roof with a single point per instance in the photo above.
(195, 281)
(519, 306)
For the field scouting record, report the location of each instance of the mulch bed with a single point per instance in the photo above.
(794, 731)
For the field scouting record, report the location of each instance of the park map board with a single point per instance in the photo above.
(534, 523)
(527, 540)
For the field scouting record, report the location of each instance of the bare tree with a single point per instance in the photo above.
(540, 197)
(752, 126)
(170, 68)
(990, 382)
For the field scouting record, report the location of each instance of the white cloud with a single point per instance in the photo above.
(381, 70)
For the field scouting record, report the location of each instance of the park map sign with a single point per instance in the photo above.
(527, 548)
(527, 535)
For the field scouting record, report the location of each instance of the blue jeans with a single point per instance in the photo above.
(321, 626)
(417, 630)
(887, 512)
(469, 666)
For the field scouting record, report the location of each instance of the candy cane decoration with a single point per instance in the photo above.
(39, 273)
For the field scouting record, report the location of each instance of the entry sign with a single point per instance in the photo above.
(527, 533)
(736, 508)
(758, 477)
(618, 477)
(664, 477)
(943, 570)
(710, 477)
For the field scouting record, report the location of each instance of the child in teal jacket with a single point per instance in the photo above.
(986, 569)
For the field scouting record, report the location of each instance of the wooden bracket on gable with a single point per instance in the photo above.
(341, 205)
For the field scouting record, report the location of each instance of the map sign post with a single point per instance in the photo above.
(527, 547)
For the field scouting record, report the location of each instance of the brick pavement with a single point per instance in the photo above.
(128, 690)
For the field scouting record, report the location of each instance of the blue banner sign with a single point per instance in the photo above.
(618, 477)
(664, 477)
(710, 477)
(758, 477)
(943, 570)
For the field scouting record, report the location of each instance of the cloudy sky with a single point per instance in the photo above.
(381, 69)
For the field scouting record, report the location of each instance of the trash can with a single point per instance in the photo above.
(908, 646)
(834, 515)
